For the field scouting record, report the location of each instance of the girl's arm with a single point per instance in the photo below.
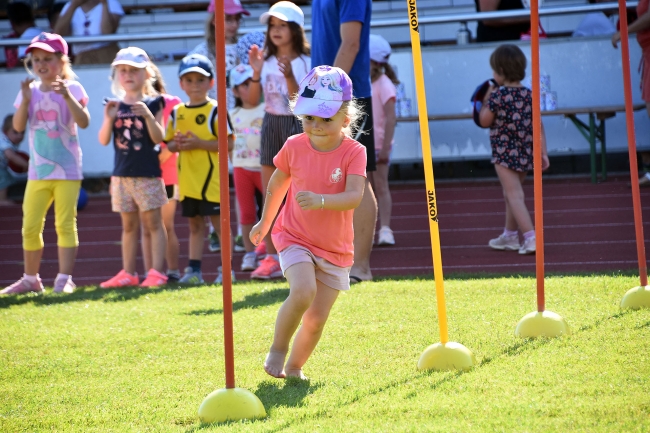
(485, 116)
(256, 60)
(642, 23)
(545, 162)
(389, 131)
(349, 199)
(22, 113)
(154, 123)
(62, 26)
(106, 130)
(80, 113)
(284, 64)
(275, 192)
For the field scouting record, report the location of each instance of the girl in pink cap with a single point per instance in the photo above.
(322, 173)
(53, 106)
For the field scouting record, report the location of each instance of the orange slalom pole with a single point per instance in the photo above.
(432, 206)
(222, 116)
(537, 156)
(631, 144)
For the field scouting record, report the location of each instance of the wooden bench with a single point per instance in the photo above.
(592, 131)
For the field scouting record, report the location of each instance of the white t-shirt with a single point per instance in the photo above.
(274, 84)
(89, 23)
(595, 24)
(247, 124)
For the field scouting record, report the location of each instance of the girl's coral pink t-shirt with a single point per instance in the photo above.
(326, 233)
(168, 168)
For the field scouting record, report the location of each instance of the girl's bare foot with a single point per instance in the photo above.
(274, 364)
(295, 372)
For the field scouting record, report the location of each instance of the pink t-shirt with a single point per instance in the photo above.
(383, 90)
(326, 233)
(54, 152)
(168, 168)
(643, 37)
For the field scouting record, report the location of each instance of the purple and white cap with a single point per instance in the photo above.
(323, 91)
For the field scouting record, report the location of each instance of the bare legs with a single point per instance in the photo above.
(379, 181)
(517, 215)
(173, 249)
(310, 301)
(267, 171)
(365, 218)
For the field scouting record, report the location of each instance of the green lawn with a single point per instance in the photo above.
(143, 360)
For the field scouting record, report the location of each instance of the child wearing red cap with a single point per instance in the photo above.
(53, 105)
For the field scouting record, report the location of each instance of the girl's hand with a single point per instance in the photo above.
(141, 109)
(110, 109)
(284, 64)
(307, 200)
(616, 37)
(25, 89)
(257, 234)
(383, 156)
(545, 162)
(61, 87)
(256, 58)
(490, 91)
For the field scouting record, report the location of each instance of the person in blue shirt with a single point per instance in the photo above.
(340, 38)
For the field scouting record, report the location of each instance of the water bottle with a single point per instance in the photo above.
(463, 36)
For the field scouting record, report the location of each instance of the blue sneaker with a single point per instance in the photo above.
(219, 279)
(191, 277)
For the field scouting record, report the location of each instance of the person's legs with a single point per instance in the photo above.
(364, 221)
(302, 292)
(382, 192)
(313, 323)
(511, 181)
(267, 172)
(173, 247)
(145, 241)
(130, 225)
(197, 232)
(153, 225)
(38, 198)
(66, 194)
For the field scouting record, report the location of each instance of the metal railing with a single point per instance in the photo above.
(423, 20)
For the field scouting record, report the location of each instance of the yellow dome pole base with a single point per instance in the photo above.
(447, 356)
(544, 324)
(636, 297)
(231, 404)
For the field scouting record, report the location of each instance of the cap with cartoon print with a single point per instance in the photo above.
(323, 91)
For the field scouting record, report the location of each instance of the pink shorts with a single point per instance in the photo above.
(133, 194)
(246, 182)
(327, 273)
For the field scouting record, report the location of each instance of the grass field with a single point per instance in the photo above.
(143, 360)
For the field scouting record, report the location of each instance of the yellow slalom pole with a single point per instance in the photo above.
(444, 355)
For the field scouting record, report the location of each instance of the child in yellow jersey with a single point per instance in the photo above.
(192, 132)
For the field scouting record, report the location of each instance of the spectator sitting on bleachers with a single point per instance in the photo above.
(21, 18)
(91, 18)
(596, 23)
(234, 12)
(500, 29)
(53, 13)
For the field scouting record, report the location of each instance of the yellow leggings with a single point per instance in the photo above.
(39, 196)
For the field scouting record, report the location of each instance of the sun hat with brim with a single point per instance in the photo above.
(132, 56)
(231, 7)
(196, 63)
(50, 42)
(239, 74)
(285, 11)
(322, 92)
(379, 49)
(477, 99)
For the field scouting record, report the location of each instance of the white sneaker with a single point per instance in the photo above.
(191, 277)
(249, 262)
(503, 242)
(219, 279)
(386, 236)
(528, 247)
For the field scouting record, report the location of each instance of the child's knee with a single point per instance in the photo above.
(196, 225)
(67, 234)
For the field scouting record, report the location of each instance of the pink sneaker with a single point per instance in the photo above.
(23, 286)
(154, 279)
(122, 279)
(268, 268)
(62, 285)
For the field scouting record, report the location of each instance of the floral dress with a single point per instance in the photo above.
(511, 134)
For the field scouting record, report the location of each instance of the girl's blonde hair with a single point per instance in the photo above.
(66, 70)
(157, 81)
(148, 89)
(352, 109)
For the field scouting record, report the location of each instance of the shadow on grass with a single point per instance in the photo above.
(254, 300)
(87, 293)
